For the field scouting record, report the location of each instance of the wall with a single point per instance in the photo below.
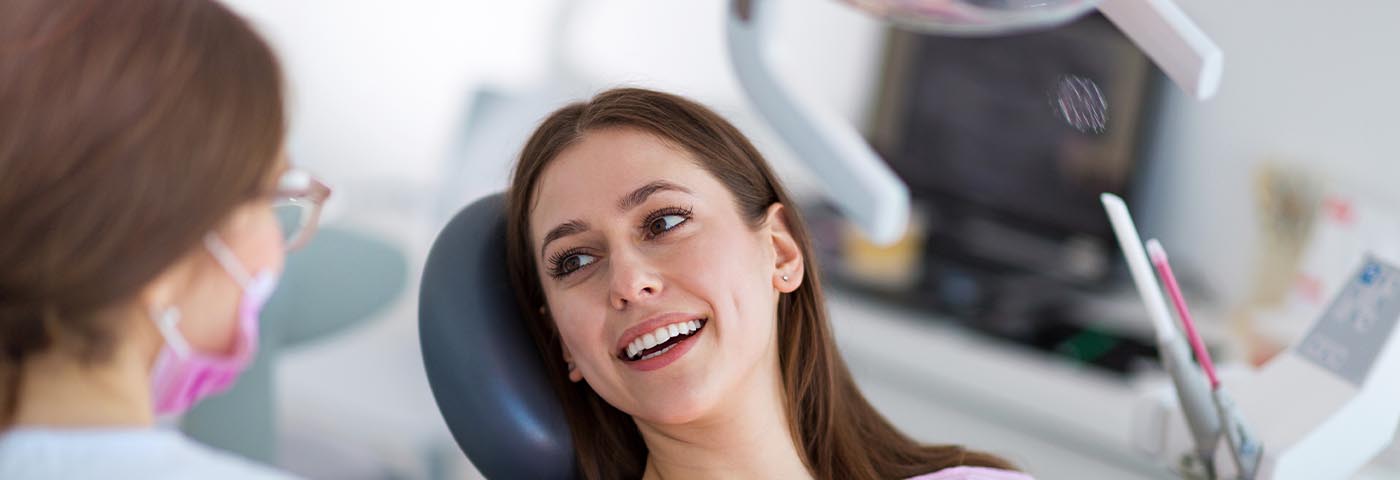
(1312, 84)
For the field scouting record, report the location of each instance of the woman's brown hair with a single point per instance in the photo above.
(127, 131)
(839, 434)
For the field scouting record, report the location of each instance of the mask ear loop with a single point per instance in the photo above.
(166, 320)
(227, 259)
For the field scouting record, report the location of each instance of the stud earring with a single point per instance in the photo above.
(785, 278)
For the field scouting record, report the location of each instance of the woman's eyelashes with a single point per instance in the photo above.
(569, 261)
(655, 225)
(662, 221)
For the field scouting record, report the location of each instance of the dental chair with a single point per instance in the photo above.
(485, 374)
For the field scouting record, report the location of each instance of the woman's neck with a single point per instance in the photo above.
(56, 389)
(750, 440)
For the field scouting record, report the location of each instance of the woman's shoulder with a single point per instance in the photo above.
(119, 453)
(973, 473)
(203, 461)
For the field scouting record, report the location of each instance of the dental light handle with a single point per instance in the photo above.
(858, 181)
(1190, 58)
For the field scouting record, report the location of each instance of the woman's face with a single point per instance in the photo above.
(663, 295)
(209, 305)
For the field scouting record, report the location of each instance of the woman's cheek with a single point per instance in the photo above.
(711, 252)
(573, 329)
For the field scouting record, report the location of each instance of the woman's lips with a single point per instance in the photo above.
(656, 341)
(666, 353)
(654, 325)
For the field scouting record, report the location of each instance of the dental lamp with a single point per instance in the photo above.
(861, 185)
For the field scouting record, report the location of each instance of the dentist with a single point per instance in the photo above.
(145, 210)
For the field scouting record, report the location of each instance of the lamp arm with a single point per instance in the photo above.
(858, 181)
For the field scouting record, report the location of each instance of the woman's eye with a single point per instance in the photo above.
(575, 262)
(663, 224)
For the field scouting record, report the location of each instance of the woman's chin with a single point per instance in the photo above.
(664, 417)
(675, 408)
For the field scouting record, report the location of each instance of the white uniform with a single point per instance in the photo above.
(119, 454)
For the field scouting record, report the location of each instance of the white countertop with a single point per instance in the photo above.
(942, 383)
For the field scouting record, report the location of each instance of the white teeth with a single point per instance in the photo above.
(660, 336)
(658, 352)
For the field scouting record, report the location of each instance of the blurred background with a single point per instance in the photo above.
(1003, 320)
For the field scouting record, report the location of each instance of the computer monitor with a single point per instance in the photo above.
(1007, 142)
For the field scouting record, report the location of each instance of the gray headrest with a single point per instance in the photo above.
(483, 368)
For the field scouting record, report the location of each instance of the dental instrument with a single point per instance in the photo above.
(1244, 447)
(1191, 388)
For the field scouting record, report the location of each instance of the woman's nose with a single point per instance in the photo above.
(633, 280)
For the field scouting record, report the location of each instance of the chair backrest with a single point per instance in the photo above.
(484, 370)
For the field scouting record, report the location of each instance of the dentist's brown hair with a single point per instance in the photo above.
(838, 433)
(128, 129)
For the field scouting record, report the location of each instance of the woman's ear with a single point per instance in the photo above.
(574, 374)
(788, 264)
(164, 290)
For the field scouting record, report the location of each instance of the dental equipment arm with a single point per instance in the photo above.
(861, 185)
(1172, 41)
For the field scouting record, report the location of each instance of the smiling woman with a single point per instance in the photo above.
(671, 291)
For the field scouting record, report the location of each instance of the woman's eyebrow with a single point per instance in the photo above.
(638, 196)
(627, 202)
(571, 227)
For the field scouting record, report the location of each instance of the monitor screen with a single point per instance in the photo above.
(1025, 130)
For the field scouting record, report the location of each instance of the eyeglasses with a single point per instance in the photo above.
(297, 206)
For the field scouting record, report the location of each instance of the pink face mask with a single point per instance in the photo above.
(182, 376)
